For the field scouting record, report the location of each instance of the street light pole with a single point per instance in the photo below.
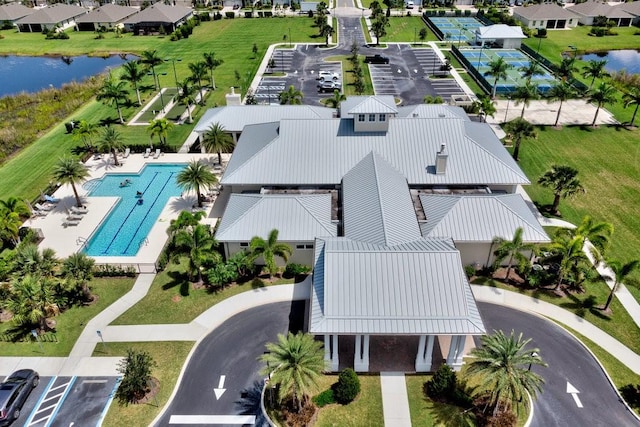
(480, 57)
(289, 36)
(161, 97)
(173, 61)
(533, 354)
(539, 41)
(507, 112)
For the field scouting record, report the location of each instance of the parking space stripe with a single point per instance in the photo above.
(39, 402)
(212, 419)
(53, 397)
(61, 401)
(106, 406)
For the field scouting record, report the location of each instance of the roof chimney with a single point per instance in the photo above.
(441, 160)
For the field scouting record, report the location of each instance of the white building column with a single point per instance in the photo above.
(453, 347)
(335, 362)
(425, 353)
(361, 356)
(327, 350)
(457, 363)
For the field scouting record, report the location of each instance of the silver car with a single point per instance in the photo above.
(14, 391)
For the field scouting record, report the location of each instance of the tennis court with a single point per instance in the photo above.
(457, 29)
(480, 59)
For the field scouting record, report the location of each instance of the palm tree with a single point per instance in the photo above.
(161, 128)
(30, 260)
(10, 224)
(560, 91)
(13, 204)
(185, 96)
(326, 31)
(595, 70)
(632, 97)
(111, 142)
(79, 268)
(133, 74)
(294, 364)
(215, 139)
(524, 95)
(513, 250)
(498, 70)
(269, 249)
(198, 243)
(196, 176)
(603, 94)
(32, 300)
(566, 68)
(150, 59)
(570, 252)
(564, 182)
(198, 72)
(291, 96)
(85, 131)
(72, 172)
(487, 107)
(113, 93)
(501, 365)
(597, 233)
(531, 70)
(620, 272)
(336, 99)
(211, 62)
(519, 129)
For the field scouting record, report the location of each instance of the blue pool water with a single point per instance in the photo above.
(126, 227)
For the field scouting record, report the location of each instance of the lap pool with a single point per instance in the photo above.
(142, 197)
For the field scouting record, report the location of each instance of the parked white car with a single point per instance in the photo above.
(327, 76)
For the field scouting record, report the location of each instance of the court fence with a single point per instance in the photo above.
(479, 78)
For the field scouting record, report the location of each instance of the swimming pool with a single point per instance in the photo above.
(125, 229)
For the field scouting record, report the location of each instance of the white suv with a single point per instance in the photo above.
(327, 76)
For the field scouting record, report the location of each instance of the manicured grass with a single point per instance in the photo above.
(473, 85)
(406, 30)
(366, 410)
(169, 356)
(607, 159)
(365, 30)
(426, 413)
(70, 323)
(348, 76)
(172, 299)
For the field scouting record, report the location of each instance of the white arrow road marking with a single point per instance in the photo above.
(574, 392)
(220, 390)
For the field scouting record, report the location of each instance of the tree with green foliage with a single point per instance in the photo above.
(160, 128)
(294, 364)
(379, 27)
(291, 96)
(566, 68)
(135, 369)
(501, 367)
(32, 300)
(10, 224)
(78, 268)
(442, 385)
(151, 59)
(113, 93)
(531, 70)
(198, 244)
(564, 182)
(198, 73)
(597, 233)
(498, 70)
(512, 250)
(217, 140)
(620, 273)
(603, 94)
(133, 73)
(29, 259)
(487, 107)
(519, 129)
(524, 94)
(110, 142)
(347, 387)
(422, 34)
(632, 97)
(376, 9)
(594, 69)
(85, 131)
(14, 205)
(560, 91)
(325, 32)
(269, 249)
(336, 99)
(196, 176)
(186, 94)
(72, 172)
(211, 62)
(570, 254)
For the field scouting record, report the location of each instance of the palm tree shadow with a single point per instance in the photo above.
(178, 279)
(249, 403)
(109, 121)
(451, 415)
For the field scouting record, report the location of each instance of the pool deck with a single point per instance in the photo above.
(66, 240)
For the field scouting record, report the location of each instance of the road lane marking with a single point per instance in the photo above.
(220, 390)
(212, 419)
(574, 393)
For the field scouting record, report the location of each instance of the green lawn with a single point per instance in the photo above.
(426, 413)
(406, 30)
(70, 323)
(172, 299)
(170, 356)
(349, 78)
(365, 410)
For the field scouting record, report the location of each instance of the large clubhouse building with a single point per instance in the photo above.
(388, 205)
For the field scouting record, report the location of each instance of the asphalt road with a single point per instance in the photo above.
(231, 351)
(568, 362)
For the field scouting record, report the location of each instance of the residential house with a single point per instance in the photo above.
(61, 16)
(108, 16)
(11, 12)
(590, 10)
(546, 15)
(500, 35)
(632, 8)
(157, 16)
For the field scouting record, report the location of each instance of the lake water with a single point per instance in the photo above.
(617, 60)
(31, 73)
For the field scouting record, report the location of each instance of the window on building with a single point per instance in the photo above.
(361, 117)
(244, 244)
(308, 246)
(299, 246)
(382, 117)
(372, 117)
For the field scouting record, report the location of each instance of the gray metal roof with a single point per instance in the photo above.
(368, 104)
(296, 217)
(235, 117)
(594, 8)
(53, 14)
(110, 13)
(377, 206)
(317, 152)
(631, 7)
(13, 11)
(432, 111)
(500, 31)
(479, 218)
(544, 11)
(160, 12)
(361, 288)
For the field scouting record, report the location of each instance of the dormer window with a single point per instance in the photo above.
(372, 117)
(361, 117)
(382, 117)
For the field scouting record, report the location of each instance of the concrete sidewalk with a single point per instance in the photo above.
(395, 401)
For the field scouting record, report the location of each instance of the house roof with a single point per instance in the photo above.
(414, 288)
(109, 13)
(377, 205)
(500, 31)
(368, 104)
(543, 11)
(14, 11)
(318, 152)
(296, 217)
(235, 117)
(432, 111)
(632, 7)
(53, 14)
(596, 8)
(479, 218)
(160, 12)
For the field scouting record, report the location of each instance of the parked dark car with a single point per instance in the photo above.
(14, 391)
(376, 59)
(329, 86)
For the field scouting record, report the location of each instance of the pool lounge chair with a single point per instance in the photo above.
(127, 151)
(74, 217)
(77, 210)
(43, 207)
(157, 154)
(38, 212)
(50, 199)
(70, 222)
(147, 153)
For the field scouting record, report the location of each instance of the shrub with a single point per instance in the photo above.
(325, 398)
(542, 33)
(136, 371)
(347, 387)
(458, 12)
(470, 270)
(467, 12)
(293, 269)
(230, 15)
(442, 385)
(222, 274)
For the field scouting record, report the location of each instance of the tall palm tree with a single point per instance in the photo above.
(211, 62)
(198, 243)
(151, 59)
(13, 204)
(571, 256)
(290, 96)
(196, 176)
(564, 182)
(160, 128)
(269, 249)
(524, 95)
(531, 70)
(30, 260)
(620, 272)
(326, 31)
(336, 99)
(215, 139)
(110, 142)
(602, 94)
(487, 107)
(598, 233)
(113, 93)
(133, 74)
(85, 131)
(198, 73)
(185, 96)
(498, 70)
(513, 250)
(32, 300)
(595, 70)
(72, 172)
(501, 365)
(632, 97)
(294, 363)
(566, 68)
(560, 91)
(79, 268)
(519, 129)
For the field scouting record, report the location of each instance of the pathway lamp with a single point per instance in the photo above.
(507, 111)
(173, 62)
(533, 354)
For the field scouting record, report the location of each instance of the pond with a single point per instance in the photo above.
(617, 60)
(33, 73)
